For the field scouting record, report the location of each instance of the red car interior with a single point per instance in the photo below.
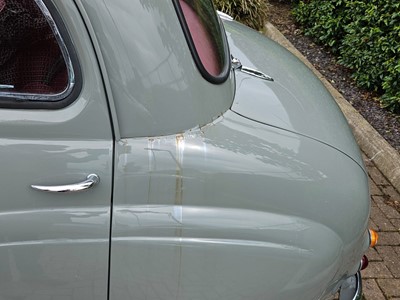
(202, 40)
(30, 58)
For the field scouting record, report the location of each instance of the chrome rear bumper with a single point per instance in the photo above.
(351, 288)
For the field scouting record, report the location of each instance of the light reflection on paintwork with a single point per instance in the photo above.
(217, 189)
(209, 242)
(204, 217)
(188, 205)
(58, 242)
(295, 101)
(56, 246)
(76, 223)
(40, 249)
(156, 85)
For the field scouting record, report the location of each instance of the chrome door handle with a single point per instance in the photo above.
(91, 180)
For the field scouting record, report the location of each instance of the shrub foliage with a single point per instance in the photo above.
(253, 13)
(366, 36)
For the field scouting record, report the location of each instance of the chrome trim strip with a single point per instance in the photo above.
(224, 16)
(91, 181)
(6, 86)
(237, 65)
(351, 288)
(67, 60)
(256, 73)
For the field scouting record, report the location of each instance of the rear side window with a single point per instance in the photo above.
(206, 38)
(34, 62)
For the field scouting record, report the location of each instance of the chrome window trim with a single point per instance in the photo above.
(224, 16)
(67, 59)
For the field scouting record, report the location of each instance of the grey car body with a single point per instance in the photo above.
(242, 189)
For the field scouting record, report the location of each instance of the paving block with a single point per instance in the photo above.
(374, 190)
(373, 255)
(367, 161)
(391, 192)
(389, 239)
(391, 259)
(377, 199)
(380, 220)
(376, 269)
(388, 210)
(377, 176)
(371, 290)
(396, 224)
(390, 287)
(372, 225)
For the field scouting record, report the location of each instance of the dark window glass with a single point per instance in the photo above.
(31, 61)
(206, 36)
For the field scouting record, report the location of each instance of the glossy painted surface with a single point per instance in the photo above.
(156, 86)
(235, 210)
(55, 246)
(296, 100)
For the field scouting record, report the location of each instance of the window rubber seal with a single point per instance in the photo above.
(206, 75)
(70, 94)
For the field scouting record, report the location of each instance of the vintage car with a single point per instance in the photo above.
(155, 150)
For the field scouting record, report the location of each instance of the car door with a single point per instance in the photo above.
(54, 132)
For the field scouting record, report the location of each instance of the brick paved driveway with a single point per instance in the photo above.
(381, 280)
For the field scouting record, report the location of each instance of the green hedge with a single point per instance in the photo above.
(253, 13)
(365, 35)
